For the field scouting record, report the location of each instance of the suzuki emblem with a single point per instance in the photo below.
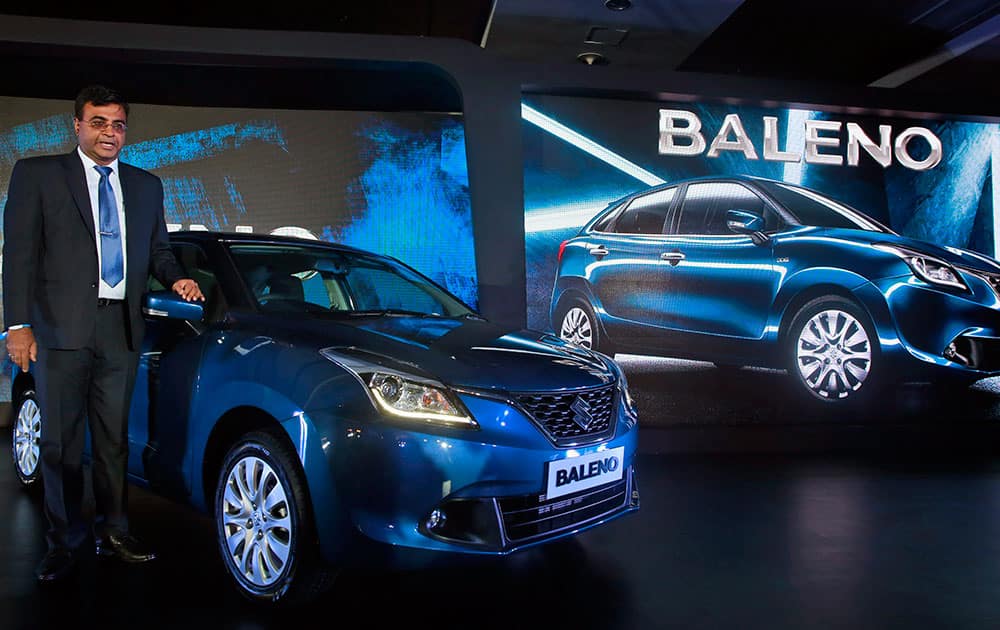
(581, 413)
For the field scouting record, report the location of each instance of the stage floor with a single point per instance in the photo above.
(883, 538)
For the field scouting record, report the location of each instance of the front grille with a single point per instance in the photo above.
(527, 517)
(572, 418)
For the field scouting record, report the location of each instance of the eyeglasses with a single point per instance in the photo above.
(100, 124)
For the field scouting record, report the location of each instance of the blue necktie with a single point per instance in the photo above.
(112, 270)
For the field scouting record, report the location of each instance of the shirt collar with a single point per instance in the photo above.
(89, 164)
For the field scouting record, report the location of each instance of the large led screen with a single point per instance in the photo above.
(391, 182)
(740, 259)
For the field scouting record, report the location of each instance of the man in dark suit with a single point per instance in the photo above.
(82, 232)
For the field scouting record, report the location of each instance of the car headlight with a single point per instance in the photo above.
(402, 395)
(626, 395)
(928, 268)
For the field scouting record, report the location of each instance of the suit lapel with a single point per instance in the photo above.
(130, 197)
(76, 179)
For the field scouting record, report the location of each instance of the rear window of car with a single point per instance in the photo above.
(646, 214)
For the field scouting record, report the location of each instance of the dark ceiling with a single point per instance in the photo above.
(942, 46)
(934, 45)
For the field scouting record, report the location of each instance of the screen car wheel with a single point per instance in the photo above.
(833, 355)
(27, 434)
(577, 324)
(263, 525)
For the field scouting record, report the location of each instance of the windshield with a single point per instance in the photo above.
(812, 208)
(304, 279)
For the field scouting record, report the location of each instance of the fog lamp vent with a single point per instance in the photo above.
(436, 520)
(951, 353)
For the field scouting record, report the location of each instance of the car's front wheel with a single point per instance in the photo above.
(833, 353)
(263, 523)
(27, 434)
(577, 324)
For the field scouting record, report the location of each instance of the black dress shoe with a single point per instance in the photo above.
(56, 565)
(123, 546)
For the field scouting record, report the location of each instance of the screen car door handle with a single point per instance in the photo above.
(672, 257)
(599, 251)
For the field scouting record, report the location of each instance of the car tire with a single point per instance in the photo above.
(268, 547)
(26, 433)
(833, 352)
(577, 324)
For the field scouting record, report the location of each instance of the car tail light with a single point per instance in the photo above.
(562, 246)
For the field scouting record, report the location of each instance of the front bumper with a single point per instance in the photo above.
(946, 332)
(508, 523)
(472, 491)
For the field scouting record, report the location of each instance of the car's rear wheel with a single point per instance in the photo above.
(27, 434)
(264, 526)
(577, 324)
(833, 352)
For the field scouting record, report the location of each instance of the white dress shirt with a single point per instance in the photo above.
(116, 292)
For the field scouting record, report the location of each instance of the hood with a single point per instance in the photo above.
(951, 255)
(461, 352)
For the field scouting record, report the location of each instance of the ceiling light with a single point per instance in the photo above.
(618, 5)
(592, 58)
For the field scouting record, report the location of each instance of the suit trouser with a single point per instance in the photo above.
(77, 388)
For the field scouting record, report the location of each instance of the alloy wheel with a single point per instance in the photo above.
(833, 354)
(256, 521)
(27, 435)
(577, 328)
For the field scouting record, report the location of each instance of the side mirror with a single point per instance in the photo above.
(169, 305)
(744, 221)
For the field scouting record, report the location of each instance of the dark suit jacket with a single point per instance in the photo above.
(50, 270)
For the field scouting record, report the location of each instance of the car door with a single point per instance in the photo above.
(165, 380)
(624, 273)
(720, 283)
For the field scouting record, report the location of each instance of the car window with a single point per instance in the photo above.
(296, 279)
(811, 208)
(378, 288)
(646, 214)
(706, 204)
(195, 264)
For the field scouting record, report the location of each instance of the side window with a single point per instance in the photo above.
(196, 266)
(706, 204)
(609, 217)
(646, 214)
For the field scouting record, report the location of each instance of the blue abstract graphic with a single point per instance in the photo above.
(202, 144)
(412, 203)
(48, 135)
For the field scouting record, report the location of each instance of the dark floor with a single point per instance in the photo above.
(882, 537)
(676, 393)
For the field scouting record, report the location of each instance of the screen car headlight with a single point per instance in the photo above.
(626, 395)
(928, 268)
(401, 395)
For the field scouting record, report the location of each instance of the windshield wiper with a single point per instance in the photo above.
(387, 311)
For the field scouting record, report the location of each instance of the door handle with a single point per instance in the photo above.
(598, 251)
(672, 257)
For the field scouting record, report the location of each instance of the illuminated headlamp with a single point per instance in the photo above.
(404, 396)
(928, 268)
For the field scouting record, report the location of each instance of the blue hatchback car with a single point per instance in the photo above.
(747, 271)
(324, 395)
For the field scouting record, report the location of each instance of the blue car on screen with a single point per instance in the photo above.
(745, 271)
(324, 398)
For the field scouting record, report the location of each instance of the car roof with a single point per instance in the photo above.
(202, 236)
(701, 179)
